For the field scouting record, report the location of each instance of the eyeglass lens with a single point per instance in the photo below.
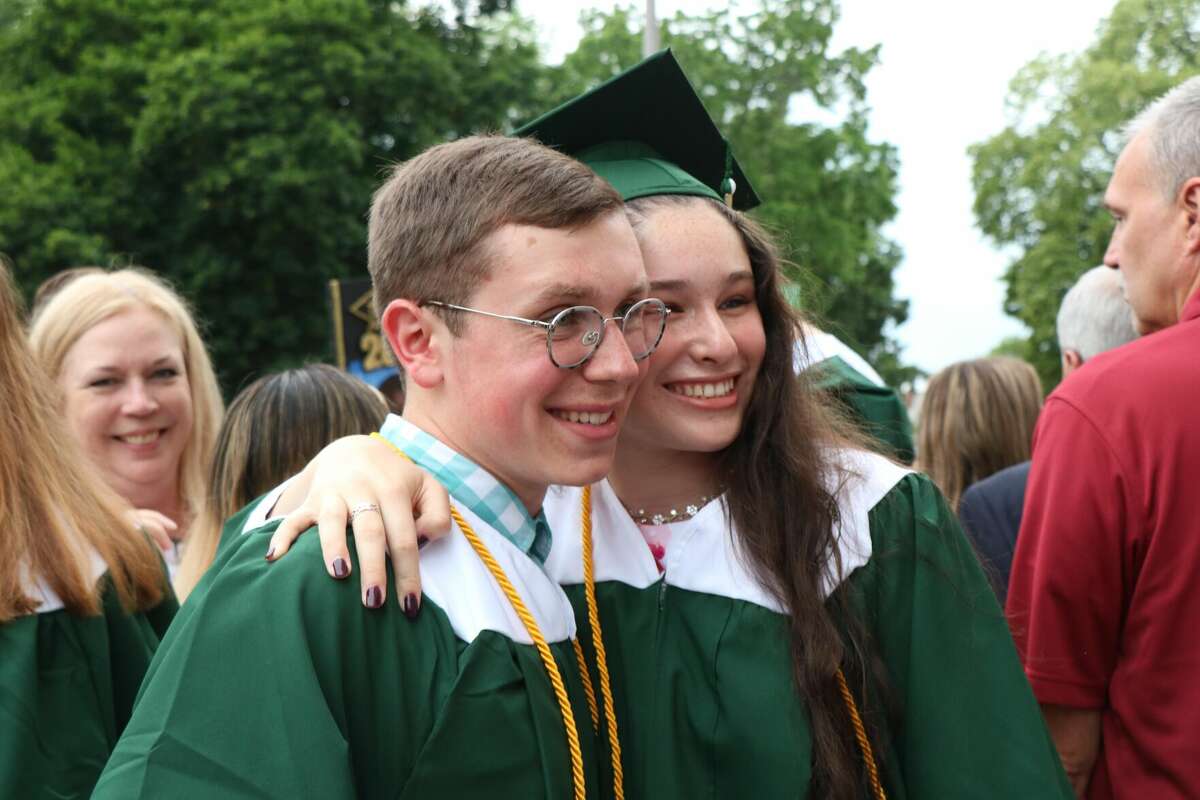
(576, 332)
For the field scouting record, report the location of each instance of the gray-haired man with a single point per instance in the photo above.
(1103, 599)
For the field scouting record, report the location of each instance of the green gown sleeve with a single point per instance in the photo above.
(962, 720)
(275, 682)
(251, 696)
(231, 531)
(67, 689)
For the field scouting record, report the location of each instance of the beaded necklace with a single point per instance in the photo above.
(643, 517)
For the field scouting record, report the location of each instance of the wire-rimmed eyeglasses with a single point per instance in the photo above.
(575, 333)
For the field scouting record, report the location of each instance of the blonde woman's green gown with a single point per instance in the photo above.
(67, 688)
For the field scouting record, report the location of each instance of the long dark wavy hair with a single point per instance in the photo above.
(780, 488)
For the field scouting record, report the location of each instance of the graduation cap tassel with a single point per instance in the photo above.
(728, 185)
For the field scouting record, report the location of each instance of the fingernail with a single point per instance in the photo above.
(270, 554)
(410, 606)
(422, 541)
(340, 568)
(374, 597)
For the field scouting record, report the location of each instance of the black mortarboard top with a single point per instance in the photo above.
(646, 132)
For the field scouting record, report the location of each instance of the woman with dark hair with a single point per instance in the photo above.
(767, 608)
(270, 431)
(83, 598)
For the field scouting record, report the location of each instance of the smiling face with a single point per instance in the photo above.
(700, 380)
(127, 400)
(503, 403)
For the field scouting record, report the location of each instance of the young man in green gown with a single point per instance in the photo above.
(512, 291)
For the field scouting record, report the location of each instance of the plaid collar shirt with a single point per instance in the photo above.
(473, 487)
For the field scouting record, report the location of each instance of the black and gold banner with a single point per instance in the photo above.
(358, 344)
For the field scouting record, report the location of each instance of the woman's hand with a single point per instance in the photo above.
(158, 527)
(358, 472)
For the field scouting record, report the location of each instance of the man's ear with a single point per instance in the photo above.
(415, 335)
(1189, 198)
(1071, 361)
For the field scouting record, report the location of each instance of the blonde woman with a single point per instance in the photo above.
(271, 430)
(976, 419)
(83, 599)
(137, 390)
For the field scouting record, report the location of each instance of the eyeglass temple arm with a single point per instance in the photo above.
(534, 323)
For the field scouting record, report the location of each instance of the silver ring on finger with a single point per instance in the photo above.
(362, 508)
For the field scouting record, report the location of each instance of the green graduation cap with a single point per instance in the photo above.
(647, 132)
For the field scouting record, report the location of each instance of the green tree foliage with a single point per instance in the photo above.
(1015, 346)
(828, 190)
(234, 146)
(1039, 183)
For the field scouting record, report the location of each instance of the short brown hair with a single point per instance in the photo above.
(430, 218)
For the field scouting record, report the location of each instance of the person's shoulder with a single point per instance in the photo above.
(999, 487)
(241, 567)
(40, 590)
(881, 499)
(861, 478)
(862, 482)
(1129, 374)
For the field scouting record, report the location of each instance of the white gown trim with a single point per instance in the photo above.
(454, 577)
(49, 599)
(703, 556)
(823, 346)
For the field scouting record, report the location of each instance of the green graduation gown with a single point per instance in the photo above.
(275, 682)
(700, 663)
(877, 408)
(67, 688)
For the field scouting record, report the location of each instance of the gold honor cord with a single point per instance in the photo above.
(535, 633)
(860, 733)
(589, 588)
(587, 684)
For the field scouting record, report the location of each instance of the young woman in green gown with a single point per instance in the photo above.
(83, 598)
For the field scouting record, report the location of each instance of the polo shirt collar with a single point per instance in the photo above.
(1191, 309)
(473, 487)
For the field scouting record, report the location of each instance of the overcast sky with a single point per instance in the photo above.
(940, 86)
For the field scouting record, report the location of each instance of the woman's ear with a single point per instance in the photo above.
(414, 334)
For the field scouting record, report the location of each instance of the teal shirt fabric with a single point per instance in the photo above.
(473, 487)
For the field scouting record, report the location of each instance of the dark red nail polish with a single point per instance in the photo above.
(374, 597)
(410, 606)
(340, 568)
(270, 554)
(422, 541)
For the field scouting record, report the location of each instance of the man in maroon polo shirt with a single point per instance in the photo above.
(1104, 599)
